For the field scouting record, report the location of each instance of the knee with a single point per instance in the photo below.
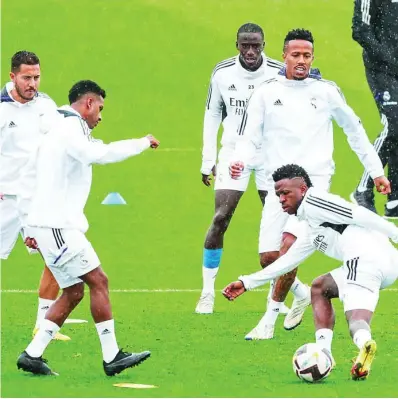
(318, 287)
(266, 258)
(221, 220)
(76, 294)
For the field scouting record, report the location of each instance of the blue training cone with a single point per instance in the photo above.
(114, 199)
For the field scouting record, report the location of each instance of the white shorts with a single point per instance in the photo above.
(361, 278)
(68, 253)
(275, 222)
(10, 226)
(224, 180)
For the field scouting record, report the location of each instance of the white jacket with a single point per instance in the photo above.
(64, 171)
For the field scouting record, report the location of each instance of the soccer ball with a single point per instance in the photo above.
(312, 363)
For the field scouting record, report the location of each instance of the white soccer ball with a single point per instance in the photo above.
(312, 363)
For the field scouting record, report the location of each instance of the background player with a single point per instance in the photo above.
(25, 115)
(231, 84)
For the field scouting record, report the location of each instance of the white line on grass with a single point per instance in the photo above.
(146, 291)
(177, 149)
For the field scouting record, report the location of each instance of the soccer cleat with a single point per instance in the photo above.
(58, 336)
(391, 213)
(364, 198)
(205, 304)
(124, 360)
(361, 368)
(35, 365)
(260, 333)
(296, 313)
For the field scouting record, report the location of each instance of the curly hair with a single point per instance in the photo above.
(291, 171)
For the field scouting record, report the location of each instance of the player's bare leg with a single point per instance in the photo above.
(31, 359)
(48, 293)
(226, 202)
(115, 360)
(359, 325)
(323, 290)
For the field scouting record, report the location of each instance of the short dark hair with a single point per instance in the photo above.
(83, 87)
(250, 28)
(298, 34)
(23, 57)
(291, 171)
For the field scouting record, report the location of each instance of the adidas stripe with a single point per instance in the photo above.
(329, 206)
(352, 269)
(58, 237)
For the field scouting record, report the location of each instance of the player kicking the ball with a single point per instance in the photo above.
(341, 230)
(57, 224)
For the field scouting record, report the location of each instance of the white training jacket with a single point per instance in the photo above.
(21, 129)
(334, 226)
(291, 121)
(230, 88)
(64, 171)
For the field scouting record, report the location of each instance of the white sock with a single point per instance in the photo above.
(39, 343)
(361, 337)
(271, 314)
(44, 305)
(209, 279)
(324, 338)
(106, 333)
(298, 289)
(391, 204)
(271, 289)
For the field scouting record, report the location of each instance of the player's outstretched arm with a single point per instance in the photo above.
(358, 139)
(89, 151)
(297, 253)
(211, 124)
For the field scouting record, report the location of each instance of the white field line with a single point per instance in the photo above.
(177, 149)
(146, 291)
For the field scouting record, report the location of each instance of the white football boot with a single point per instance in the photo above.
(261, 332)
(296, 313)
(205, 304)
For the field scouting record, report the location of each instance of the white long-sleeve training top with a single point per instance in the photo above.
(336, 227)
(64, 171)
(291, 121)
(230, 88)
(21, 128)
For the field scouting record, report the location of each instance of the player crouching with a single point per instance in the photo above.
(343, 231)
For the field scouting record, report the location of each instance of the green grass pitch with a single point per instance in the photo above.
(154, 58)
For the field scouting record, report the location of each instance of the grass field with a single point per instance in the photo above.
(154, 58)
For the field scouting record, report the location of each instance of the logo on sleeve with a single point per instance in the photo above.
(12, 124)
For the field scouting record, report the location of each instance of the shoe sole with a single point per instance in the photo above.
(361, 368)
(29, 369)
(390, 217)
(292, 328)
(203, 312)
(129, 367)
